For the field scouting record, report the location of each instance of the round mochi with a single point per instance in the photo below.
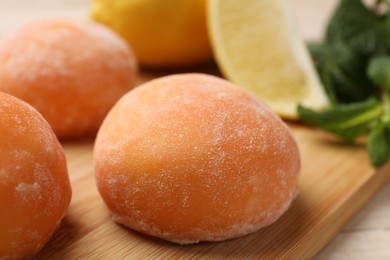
(34, 185)
(71, 71)
(192, 157)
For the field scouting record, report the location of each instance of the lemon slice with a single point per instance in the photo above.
(256, 45)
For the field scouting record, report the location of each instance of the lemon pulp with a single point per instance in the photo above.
(257, 46)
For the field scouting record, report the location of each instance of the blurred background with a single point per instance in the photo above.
(311, 15)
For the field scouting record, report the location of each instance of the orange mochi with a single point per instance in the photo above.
(192, 157)
(72, 71)
(34, 184)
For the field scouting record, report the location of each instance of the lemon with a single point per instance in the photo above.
(257, 46)
(163, 33)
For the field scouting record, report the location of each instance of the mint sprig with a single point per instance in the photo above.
(378, 144)
(355, 34)
(345, 120)
(353, 62)
(349, 121)
(372, 116)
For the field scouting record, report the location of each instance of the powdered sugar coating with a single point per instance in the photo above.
(34, 185)
(72, 71)
(193, 158)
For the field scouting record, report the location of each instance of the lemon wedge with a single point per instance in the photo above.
(257, 46)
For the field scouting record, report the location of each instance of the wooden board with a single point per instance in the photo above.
(336, 181)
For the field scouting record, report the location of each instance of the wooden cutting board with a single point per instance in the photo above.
(336, 181)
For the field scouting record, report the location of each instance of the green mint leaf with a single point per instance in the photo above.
(386, 105)
(354, 34)
(378, 144)
(364, 30)
(317, 51)
(379, 71)
(348, 68)
(339, 86)
(352, 61)
(345, 120)
(342, 65)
